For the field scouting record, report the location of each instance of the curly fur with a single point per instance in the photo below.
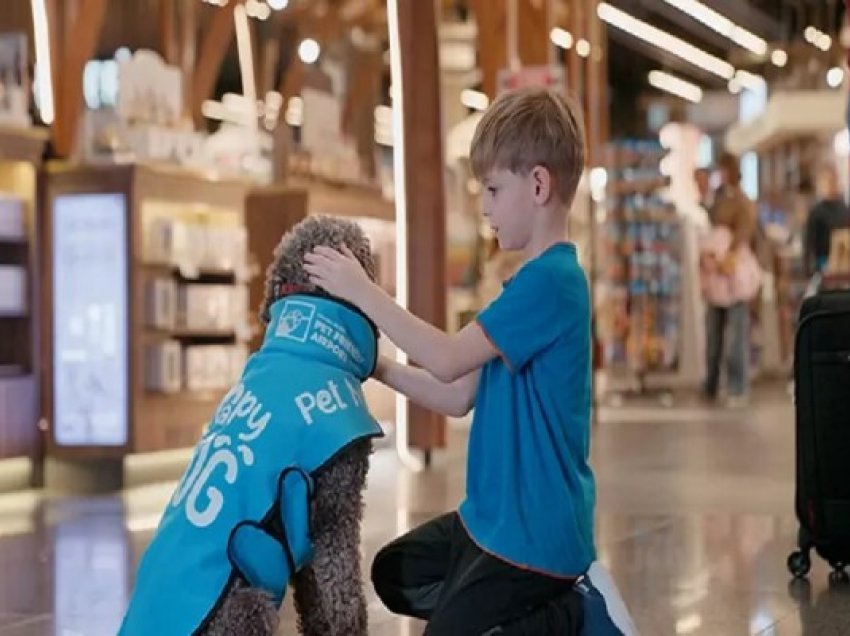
(328, 593)
(288, 263)
(245, 611)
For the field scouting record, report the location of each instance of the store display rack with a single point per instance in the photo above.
(639, 285)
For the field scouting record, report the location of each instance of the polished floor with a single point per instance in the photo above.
(694, 520)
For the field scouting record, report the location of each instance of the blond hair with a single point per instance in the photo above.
(532, 127)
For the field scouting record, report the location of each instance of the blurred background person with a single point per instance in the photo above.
(829, 213)
(727, 268)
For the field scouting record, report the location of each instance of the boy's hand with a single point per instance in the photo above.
(337, 272)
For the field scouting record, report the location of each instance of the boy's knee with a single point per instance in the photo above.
(399, 595)
(386, 577)
(378, 568)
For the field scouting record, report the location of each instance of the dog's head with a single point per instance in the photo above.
(287, 267)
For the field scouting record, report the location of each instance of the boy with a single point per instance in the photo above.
(507, 561)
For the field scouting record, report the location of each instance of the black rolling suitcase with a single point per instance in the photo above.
(822, 404)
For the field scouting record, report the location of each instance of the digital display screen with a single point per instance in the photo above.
(90, 339)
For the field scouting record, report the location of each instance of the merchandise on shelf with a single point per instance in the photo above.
(641, 270)
(161, 303)
(213, 307)
(202, 303)
(164, 367)
(20, 251)
(212, 367)
(172, 367)
(13, 290)
(195, 240)
(11, 218)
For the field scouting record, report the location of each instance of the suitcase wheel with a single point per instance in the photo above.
(838, 576)
(799, 564)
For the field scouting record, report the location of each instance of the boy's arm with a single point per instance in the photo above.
(446, 357)
(453, 399)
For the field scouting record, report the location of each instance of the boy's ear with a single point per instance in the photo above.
(541, 182)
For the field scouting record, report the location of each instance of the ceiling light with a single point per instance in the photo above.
(676, 86)
(663, 40)
(779, 58)
(722, 25)
(811, 34)
(835, 77)
(43, 74)
(309, 51)
(583, 48)
(750, 81)
(817, 38)
(561, 38)
(245, 51)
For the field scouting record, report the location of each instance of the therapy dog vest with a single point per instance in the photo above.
(242, 506)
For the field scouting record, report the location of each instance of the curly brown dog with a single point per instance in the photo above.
(328, 589)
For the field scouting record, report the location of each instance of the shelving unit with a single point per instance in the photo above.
(161, 256)
(639, 290)
(20, 158)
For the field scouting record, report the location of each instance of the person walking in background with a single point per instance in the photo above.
(828, 214)
(730, 280)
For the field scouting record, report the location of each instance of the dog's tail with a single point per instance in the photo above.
(246, 612)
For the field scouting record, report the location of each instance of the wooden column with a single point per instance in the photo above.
(188, 23)
(597, 86)
(533, 38)
(74, 33)
(492, 20)
(361, 98)
(267, 75)
(178, 37)
(169, 40)
(270, 212)
(291, 78)
(213, 50)
(423, 175)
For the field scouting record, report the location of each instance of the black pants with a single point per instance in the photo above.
(438, 574)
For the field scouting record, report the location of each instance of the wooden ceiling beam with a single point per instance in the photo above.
(533, 34)
(213, 49)
(80, 34)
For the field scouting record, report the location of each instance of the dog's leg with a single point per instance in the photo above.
(328, 594)
(246, 611)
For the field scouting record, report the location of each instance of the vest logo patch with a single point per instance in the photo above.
(295, 320)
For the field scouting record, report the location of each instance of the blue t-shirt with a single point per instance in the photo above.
(530, 492)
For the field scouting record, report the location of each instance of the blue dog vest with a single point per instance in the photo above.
(242, 506)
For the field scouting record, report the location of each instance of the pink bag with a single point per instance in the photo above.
(719, 288)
